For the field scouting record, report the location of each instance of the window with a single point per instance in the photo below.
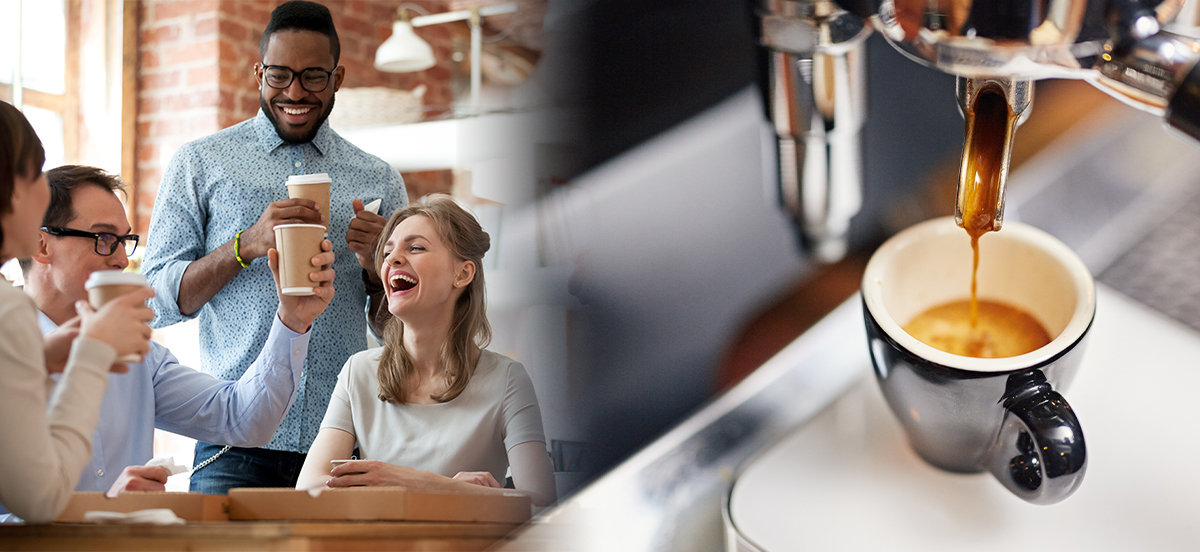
(33, 71)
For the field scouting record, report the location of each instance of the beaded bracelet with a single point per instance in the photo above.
(237, 249)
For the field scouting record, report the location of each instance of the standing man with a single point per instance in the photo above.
(221, 196)
(85, 230)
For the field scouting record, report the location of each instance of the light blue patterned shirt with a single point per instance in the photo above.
(221, 184)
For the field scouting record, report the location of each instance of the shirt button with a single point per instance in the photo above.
(298, 164)
(100, 473)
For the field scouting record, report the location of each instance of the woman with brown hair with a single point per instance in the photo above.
(432, 409)
(45, 441)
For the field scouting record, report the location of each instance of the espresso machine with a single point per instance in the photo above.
(816, 90)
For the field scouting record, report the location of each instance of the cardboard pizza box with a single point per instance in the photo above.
(376, 503)
(189, 506)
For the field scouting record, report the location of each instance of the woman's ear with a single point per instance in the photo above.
(465, 274)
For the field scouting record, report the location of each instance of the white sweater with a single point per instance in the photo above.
(43, 449)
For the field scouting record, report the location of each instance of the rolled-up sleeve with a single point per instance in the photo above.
(177, 236)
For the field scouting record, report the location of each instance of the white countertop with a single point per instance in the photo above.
(847, 480)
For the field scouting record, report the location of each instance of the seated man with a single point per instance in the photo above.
(158, 392)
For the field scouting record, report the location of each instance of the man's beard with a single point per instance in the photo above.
(292, 137)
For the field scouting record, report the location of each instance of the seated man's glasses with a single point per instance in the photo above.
(313, 79)
(106, 244)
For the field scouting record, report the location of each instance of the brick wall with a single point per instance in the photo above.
(195, 73)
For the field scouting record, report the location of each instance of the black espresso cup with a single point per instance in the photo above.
(964, 414)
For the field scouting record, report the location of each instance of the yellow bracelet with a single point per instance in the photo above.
(237, 249)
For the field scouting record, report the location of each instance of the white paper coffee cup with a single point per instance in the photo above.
(105, 285)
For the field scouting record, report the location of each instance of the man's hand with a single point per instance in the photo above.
(257, 239)
(297, 312)
(483, 479)
(140, 478)
(362, 236)
(57, 345)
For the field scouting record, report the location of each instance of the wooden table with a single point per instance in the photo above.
(257, 535)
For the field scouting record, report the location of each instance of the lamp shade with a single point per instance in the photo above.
(404, 51)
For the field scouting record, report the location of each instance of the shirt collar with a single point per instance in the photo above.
(45, 324)
(269, 139)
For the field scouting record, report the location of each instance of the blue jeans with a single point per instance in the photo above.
(244, 467)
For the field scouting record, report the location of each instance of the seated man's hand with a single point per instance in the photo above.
(140, 478)
(57, 345)
(483, 479)
(297, 312)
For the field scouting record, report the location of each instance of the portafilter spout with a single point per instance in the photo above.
(992, 110)
(817, 106)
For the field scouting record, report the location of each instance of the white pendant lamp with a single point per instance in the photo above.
(404, 51)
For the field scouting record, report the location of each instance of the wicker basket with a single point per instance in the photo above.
(377, 105)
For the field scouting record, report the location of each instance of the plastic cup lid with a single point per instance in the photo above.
(278, 226)
(319, 178)
(114, 278)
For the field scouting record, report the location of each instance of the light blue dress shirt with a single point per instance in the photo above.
(221, 184)
(160, 392)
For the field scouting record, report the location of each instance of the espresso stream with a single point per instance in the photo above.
(975, 328)
(989, 127)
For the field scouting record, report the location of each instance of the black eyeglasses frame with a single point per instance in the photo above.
(328, 76)
(97, 236)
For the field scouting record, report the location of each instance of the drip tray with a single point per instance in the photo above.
(1163, 269)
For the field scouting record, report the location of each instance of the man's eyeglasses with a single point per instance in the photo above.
(313, 79)
(106, 244)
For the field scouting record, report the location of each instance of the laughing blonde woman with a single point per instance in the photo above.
(432, 410)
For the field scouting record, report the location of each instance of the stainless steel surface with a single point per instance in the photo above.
(1147, 74)
(1055, 39)
(817, 89)
(1119, 47)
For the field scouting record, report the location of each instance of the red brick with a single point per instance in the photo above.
(233, 31)
(147, 153)
(247, 107)
(182, 8)
(205, 75)
(357, 8)
(150, 106)
(255, 14)
(355, 27)
(160, 34)
(189, 53)
(240, 75)
(159, 80)
(164, 128)
(205, 28)
(228, 50)
(148, 59)
(188, 101)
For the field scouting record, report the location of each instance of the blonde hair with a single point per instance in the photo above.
(469, 328)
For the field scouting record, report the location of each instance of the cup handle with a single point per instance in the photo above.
(1039, 454)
